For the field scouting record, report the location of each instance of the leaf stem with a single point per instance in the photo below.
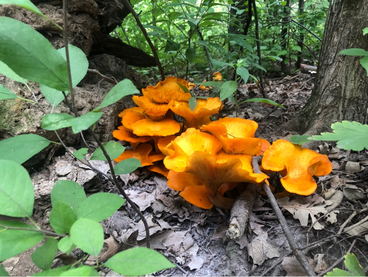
(34, 230)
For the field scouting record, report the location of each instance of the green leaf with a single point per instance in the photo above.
(138, 261)
(351, 264)
(6, 93)
(81, 153)
(16, 190)
(184, 88)
(21, 148)
(100, 206)
(364, 63)
(243, 73)
(3, 272)
(190, 54)
(58, 121)
(31, 55)
(354, 52)
(127, 166)
(212, 84)
(66, 245)
(88, 235)
(365, 31)
(113, 148)
(45, 254)
(23, 3)
(297, 48)
(192, 103)
(8, 72)
(171, 46)
(81, 271)
(220, 64)
(263, 100)
(68, 192)
(78, 69)
(350, 135)
(53, 272)
(259, 67)
(14, 242)
(227, 89)
(62, 217)
(281, 53)
(296, 139)
(123, 88)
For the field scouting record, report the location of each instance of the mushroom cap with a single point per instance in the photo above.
(217, 76)
(297, 164)
(131, 116)
(126, 135)
(141, 153)
(162, 128)
(153, 110)
(163, 143)
(186, 144)
(200, 115)
(237, 136)
(159, 168)
(167, 90)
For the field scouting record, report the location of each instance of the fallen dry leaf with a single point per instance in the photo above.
(293, 267)
(260, 250)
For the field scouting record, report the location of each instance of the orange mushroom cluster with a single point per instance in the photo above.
(208, 162)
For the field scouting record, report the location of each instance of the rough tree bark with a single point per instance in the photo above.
(341, 87)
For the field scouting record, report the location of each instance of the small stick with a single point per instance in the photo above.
(289, 236)
(241, 210)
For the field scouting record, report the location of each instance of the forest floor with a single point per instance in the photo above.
(194, 239)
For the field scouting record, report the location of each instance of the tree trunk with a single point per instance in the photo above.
(341, 87)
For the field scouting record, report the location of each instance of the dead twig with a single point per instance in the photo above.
(289, 236)
(240, 211)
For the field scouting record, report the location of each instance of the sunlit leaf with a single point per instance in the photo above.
(8, 72)
(81, 153)
(296, 139)
(192, 103)
(263, 100)
(354, 52)
(6, 93)
(127, 166)
(113, 148)
(243, 73)
(227, 89)
(44, 255)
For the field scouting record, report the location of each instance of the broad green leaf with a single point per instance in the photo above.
(100, 206)
(138, 261)
(23, 147)
(81, 271)
(3, 272)
(192, 103)
(219, 64)
(68, 192)
(52, 122)
(23, 3)
(297, 48)
(14, 242)
(350, 135)
(88, 235)
(45, 254)
(78, 69)
(243, 73)
(351, 264)
(53, 272)
(127, 166)
(16, 190)
(354, 52)
(296, 139)
(81, 153)
(212, 84)
(281, 53)
(364, 63)
(174, 15)
(123, 88)
(227, 89)
(66, 245)
(365, 31)
(113, 148)
(171, 46)
(8, 72)
(31, 55)
(259, 67)
(263, 100)
(62, 217)
(6, 93)
(190, 54)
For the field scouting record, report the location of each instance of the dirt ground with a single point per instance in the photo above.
(194, 239)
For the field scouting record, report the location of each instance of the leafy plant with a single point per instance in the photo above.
(27, 55)
(352, 264)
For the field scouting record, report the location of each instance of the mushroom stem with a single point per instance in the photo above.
(241, 210)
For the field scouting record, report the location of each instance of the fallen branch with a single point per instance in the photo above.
(241, 210)
(289, 236)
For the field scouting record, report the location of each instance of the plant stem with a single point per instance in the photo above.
(154, 52)
(33, 230)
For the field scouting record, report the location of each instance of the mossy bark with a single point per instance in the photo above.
(341, 88)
